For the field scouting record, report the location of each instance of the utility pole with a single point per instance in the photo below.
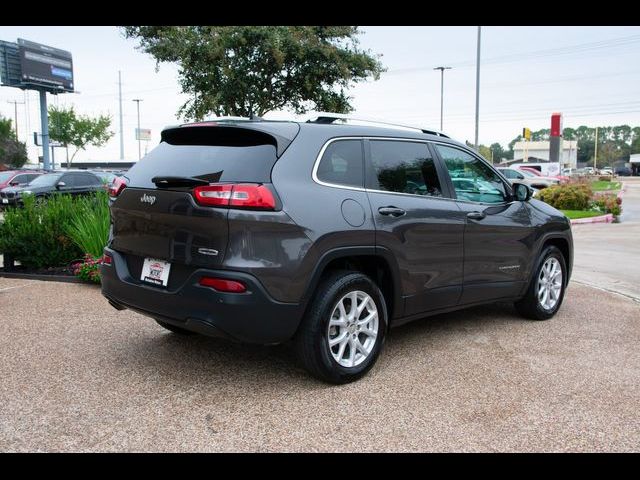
(442, 69)
(121, 129)
(15, 113)
(138, 100)
(595, 156)
(478, 87)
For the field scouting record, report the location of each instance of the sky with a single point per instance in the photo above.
(589, 74)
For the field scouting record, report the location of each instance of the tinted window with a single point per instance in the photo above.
(472, 179)
(70, 179)
(404, 167)
(88, 179)
(46, 180)
(213, 163)
(341, 163)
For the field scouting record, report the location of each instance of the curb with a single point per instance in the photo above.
(608, 218)
(46, 278)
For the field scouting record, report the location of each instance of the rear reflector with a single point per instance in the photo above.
(239, 195)
(117, 186)
(107, 260)
(223, 285)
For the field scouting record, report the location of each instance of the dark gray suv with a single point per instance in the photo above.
(324, 234)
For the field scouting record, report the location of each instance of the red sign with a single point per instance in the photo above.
(556, 125)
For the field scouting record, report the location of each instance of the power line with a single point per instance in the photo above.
(545, 53)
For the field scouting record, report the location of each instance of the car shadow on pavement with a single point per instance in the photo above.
(196, 360)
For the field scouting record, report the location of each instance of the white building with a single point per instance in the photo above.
(568, 154)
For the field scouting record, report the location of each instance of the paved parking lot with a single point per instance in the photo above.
(79, 376)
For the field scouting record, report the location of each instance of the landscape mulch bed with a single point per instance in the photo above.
(56, 274)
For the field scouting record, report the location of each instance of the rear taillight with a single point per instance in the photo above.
(106, 259)
(223, 285)
(238, 195)
(117, 186)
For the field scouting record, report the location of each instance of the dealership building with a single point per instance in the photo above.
(528, 151)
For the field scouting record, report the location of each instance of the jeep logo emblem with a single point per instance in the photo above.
(150, 199)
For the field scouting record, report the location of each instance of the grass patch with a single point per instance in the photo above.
(574, 214)
(605, 186)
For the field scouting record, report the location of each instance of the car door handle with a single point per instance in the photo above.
(393, 211)
(476, 215)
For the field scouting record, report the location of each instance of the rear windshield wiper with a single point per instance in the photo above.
(178, 181)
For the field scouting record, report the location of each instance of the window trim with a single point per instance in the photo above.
(505, 182)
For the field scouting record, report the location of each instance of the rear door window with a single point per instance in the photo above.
(342, 164)
(403, 167)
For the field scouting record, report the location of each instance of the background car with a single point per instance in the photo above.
(528, 178)
(623, 171)
(538, 173)
(17, 178)
(69, 182)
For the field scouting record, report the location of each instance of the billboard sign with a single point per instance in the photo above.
(143, 134)
(45, 66)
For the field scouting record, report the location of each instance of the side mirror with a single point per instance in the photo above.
(60, 185)
(14, 184)
(522, 192)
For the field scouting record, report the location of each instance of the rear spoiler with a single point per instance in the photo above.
(278, 134)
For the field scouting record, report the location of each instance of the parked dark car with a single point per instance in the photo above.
(622, 171)
(326, 235)
(17, 178)
(70, 182)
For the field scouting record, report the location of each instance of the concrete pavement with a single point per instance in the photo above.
(608, 255)
(78, 375)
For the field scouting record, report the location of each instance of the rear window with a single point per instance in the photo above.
(195, 152)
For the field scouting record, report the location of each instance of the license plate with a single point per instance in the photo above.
(5, 200)
(155, 271)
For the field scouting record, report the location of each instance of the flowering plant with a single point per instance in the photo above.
(87, 269)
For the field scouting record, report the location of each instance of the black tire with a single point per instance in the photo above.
(173, 328)
(529, 306)
(311, 340)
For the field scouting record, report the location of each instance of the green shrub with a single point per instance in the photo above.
(36, 235)
(89, 224)
(607, 204)
(572, 196)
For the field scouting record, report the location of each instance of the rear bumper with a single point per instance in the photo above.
(252, 317)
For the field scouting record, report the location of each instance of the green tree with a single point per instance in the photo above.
(13, 153)
(78, 131)
(5, 128)
(498, 152)
(245, 70)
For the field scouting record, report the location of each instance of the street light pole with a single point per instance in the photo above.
(138, 100)
(442, 69)
(478, 87)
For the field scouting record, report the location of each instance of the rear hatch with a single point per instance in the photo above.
(157, 214)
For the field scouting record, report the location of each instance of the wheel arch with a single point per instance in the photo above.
(376, 262)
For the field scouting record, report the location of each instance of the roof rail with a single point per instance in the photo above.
(329, 117)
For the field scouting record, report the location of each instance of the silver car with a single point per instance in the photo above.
(528, 178)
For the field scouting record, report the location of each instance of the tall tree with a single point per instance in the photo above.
(13, 153)
(246, 70)
(78, 131)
